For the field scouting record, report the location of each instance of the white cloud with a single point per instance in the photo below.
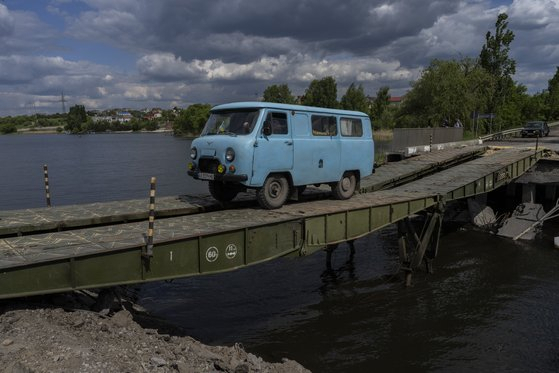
(534, 14)
(297, 68)
(7, 23)
(167, 66)
(217, 51)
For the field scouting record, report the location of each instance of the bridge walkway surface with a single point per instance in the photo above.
(29, 221)
(217, 241)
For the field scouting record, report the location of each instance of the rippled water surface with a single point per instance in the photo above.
(491, 304)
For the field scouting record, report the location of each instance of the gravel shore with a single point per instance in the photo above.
(63, 339)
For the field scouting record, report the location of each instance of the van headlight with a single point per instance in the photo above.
(230, 154)
(193, 152)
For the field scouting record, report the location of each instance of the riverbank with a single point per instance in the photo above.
(61, 338)
(55, 130)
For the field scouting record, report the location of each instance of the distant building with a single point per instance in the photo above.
(395, 100)
(153, 114)
(123, 116)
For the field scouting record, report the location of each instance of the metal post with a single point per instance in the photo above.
(405, 264)
(329, 250)
(430, 142)
(149, 243)
(47, 191)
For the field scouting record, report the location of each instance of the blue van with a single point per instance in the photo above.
(279, 149)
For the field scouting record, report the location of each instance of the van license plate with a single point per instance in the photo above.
(205, 176)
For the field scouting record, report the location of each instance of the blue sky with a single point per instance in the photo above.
(140, 54)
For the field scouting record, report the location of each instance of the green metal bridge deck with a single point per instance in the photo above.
(198, 237)
(30, 221)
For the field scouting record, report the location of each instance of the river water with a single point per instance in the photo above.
(491, 304)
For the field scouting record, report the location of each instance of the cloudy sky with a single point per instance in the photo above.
(165, 53)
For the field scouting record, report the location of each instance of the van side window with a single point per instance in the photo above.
(324, 125)
(278, 122)
(351, 127)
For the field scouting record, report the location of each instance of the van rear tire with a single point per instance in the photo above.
(222, 192)
(345, 188)
(274, 192)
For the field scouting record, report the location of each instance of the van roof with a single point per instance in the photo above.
(272, 105)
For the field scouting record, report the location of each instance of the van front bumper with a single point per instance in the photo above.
(230, 178)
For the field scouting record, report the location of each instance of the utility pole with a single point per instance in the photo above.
(63, 101)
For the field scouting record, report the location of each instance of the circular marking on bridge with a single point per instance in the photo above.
(231, 251)
(211, 254)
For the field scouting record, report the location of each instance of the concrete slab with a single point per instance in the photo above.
(525, 215)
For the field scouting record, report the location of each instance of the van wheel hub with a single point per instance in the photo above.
(274, 192)
(346, 183)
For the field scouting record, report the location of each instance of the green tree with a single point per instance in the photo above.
(191, 120)
(446, 90)
(380, 102)
(494, 57)
(6, 128)
(150, 125)
(278, 93)
(322, 93)
(135, 124)
(75, 118)
(553, 96)
(510, 113)
(355, 99)
(536, 106)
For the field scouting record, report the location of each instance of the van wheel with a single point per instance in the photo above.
(345, 188)
(222, 192)
(274, 192)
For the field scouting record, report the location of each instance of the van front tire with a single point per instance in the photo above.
(222, 192)
(274, 192)
(345, 188)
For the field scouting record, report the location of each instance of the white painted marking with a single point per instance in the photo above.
(211, 254)
(231, 251)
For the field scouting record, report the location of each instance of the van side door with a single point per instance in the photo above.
(273, 148)
(318, 153)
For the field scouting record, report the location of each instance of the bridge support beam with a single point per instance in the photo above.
(330, 249)
(425, 247)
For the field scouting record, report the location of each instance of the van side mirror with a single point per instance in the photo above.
(267, 129)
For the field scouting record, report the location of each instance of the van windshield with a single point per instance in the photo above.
(231, 122)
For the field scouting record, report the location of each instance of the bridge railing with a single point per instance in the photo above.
(508, 133)
(501, 134)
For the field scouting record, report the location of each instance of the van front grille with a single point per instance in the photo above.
(208, 165)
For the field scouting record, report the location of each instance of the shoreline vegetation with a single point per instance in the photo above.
(383, 135)
(378, 135)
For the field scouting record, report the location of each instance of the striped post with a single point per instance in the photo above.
(47, 190)
(149, 243)
(430, 141)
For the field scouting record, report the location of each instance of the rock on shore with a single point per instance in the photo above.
(55, 340)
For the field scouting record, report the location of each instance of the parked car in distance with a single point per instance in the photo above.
(535, 128)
